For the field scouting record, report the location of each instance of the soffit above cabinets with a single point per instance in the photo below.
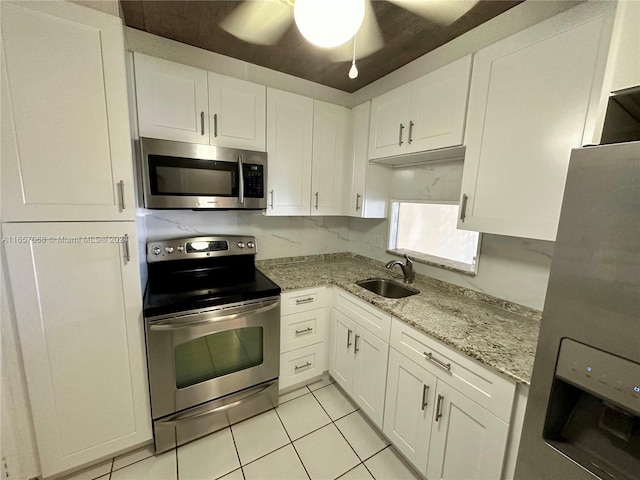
(407, 36)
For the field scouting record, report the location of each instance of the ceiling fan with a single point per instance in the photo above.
(264, 22)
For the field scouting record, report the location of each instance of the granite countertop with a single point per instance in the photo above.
(495, 332)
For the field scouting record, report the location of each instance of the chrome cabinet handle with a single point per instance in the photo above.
(446, 366)
(463, 208)
(215, 124)
(411, 124)
(296, 368)
(201, 123)
(439, 407)
(127, 250)
(123, 201)
(425, 391)
(306, 330)
(316, 200)
(355, 347)
(400, 135)
(349, 331)
(301, 301)
(271, 193)
(358, 197)
(240, 180)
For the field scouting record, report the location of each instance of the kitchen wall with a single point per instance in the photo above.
(515, 269)
(277, 236)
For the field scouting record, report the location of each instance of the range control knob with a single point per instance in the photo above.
(168, 249)
(251, 245)
(241, 244)
(156, 249)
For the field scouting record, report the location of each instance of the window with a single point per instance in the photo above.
(427, 232)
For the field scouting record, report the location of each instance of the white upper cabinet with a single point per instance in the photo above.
(188, 104)
(438, 107)
(366, 186)
(79, 316)
(426, 114)
(330, 129)
(533, 97)
(172, 100)
(237, 113)
(289, 145)
(66, 151)
(389, 119)
(626, 46)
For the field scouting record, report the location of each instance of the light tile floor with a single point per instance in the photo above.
(315, 433)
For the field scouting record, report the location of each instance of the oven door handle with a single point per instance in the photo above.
(183, 417)
(205, 317)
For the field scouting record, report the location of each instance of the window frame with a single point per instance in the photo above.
(425, 258)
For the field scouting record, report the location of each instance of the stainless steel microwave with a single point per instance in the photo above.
(178, 175)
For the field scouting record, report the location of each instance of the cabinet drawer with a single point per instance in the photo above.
(486, 388)
(302, 329)
(368, 316)
(302, 300)
(302, 364)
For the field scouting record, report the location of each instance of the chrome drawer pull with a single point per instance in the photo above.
(446, 366)
(355, 347)
(201, 123)
(439, 407)
(400, 135)
(349, 338)
(296, 368)
(123, 201)
(463, 207)
(358, 197)
(306, 330)
(425, 391)
(301, 301)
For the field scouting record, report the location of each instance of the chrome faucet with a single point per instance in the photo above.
(407, 268)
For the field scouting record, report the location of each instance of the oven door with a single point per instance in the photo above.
(198, 357)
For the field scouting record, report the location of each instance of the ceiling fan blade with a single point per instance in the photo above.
(262, 22)
(368, 39)
(443, 12)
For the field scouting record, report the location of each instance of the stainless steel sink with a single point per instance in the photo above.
(387, 288)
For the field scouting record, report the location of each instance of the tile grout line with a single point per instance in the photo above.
(235, 445)
(340, 431)
(291, 441)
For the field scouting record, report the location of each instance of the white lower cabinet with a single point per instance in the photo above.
(466, 440)
(444, 433)
(409, 408)
(76, 293)
(358, 357)
(303, 349)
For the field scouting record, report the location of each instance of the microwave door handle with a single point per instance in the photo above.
(240, 181)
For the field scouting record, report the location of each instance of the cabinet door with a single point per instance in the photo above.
(172, 100)
(289, 144)
(409, 408)
(466, 440)
(439, 107)
(237, 113)
(366, 186)
(66, 148)
(390, 123)
(329, 152)
(530, 99)
(341, 354)
(625, 58)
(370, 373)
(76, 294)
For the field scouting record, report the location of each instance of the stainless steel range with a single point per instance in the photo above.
(212, 323)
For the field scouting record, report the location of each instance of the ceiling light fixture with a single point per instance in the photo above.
(328, 23)
(353, 71)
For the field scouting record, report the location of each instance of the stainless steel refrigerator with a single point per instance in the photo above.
(583, 413)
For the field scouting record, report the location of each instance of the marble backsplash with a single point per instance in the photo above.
(276, 236)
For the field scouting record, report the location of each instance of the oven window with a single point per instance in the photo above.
(217, 355)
